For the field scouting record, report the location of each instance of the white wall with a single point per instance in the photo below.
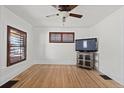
(0, 39)
(9, 18)
(110, 32)
(56, 53)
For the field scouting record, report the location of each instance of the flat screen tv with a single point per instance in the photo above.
(87, 45)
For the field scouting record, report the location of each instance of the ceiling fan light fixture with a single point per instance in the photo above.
(64, 12)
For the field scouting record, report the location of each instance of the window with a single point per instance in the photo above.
(16, 45)
(61, 37)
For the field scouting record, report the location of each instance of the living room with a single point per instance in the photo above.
(105, 23)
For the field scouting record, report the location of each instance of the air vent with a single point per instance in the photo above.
(105, 77)
(9, 84)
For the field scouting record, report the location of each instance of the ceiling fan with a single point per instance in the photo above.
(64, 12)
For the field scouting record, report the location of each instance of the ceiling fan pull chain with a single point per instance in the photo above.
(64, 19)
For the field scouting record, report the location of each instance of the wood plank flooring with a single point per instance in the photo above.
(62, 76)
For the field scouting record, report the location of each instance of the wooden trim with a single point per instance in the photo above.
(8, 45)
(61, 33)
(10, 27)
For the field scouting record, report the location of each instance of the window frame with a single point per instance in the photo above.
(61, 33)
(9, 46)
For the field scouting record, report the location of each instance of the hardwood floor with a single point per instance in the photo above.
(61, 76)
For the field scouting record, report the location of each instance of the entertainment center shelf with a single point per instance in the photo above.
(86, 59)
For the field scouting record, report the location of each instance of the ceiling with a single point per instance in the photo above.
(36, 15)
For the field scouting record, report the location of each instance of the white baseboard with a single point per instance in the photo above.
(119, 80)
(55, 61)
(9, 73)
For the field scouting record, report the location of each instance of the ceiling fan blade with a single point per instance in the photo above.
(64, 7)
(71, 7)
(75, 15)
(55, 6)
(52, 15)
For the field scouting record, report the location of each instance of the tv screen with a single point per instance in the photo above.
(86, 45)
